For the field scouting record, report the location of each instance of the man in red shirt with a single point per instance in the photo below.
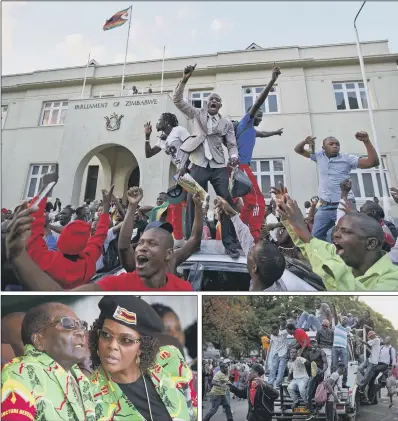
(74, 262)
(152, 256)
(299, 334)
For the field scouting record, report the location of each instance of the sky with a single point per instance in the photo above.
(385, 305)
(48, 35)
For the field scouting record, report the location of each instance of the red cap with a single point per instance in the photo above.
(74, 237)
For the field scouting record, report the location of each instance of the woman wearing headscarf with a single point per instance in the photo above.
(135, 379)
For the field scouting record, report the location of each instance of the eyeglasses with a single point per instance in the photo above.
(124, 340)
(68, 323)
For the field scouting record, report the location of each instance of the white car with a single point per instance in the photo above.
(349, 398)
(210, 269)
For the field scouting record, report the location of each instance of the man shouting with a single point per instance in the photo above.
(206, 154)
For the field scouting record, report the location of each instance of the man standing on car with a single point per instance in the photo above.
(340, 348)
(299, 378)
(253, 212)
(319, 365)
(334, 167)
(205, 152)
(218, 394)
(279, 360)
(325, 338)
(368, 367)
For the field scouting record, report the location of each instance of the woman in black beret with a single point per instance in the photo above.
(135, 378)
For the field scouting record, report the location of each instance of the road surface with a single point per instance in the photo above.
(379, 412)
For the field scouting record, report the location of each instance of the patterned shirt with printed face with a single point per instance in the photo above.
(36, 388)
(173, 382)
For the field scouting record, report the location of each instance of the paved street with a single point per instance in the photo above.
(379, 412)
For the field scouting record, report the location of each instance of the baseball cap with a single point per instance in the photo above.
(158, 224)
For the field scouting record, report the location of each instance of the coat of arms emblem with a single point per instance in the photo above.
(113, 122)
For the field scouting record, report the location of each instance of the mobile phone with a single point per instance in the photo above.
(45, 192)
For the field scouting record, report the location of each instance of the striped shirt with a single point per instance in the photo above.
(340, 336)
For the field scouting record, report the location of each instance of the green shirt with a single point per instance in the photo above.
(173, 383)
(337, 276)
(219, 390)
(35, 388)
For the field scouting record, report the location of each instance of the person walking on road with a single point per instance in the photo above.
(260, 395)
(218, 394)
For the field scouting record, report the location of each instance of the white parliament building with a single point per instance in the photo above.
(97, 138)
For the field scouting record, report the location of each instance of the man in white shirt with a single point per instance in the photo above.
(368, 367)
(279, 350)
(112, 234)
(299, 375)
(170, 141)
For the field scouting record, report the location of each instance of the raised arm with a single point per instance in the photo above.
(309, 140)
(178, 96)
(96, 242)
(182, 254)
(28, 272)
(119, 207)
(262, 97)
(126, 251)
(372, 160)
(149, 152)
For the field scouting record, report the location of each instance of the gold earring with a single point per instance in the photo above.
(97, 352)
(138, 360)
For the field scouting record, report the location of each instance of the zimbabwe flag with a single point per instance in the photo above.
(118, 19)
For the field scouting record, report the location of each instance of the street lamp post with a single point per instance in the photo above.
(386, 203)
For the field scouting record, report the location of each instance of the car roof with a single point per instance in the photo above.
(214, 251)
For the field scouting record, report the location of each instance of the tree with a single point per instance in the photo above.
(233, 322)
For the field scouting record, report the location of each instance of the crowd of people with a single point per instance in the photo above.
(47, 247)
(318, 357)
(134, 363)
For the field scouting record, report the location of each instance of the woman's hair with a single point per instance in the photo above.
(149, 347)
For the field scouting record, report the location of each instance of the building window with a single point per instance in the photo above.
(350, 96)
(250, 95)
(4, 109)
(54, 113)
(366, 184)
(36, 171)
(198, 98)
(269, 172)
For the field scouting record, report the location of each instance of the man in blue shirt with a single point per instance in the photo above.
(333, 168)
(253, 203)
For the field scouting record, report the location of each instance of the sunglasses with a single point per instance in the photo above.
(68, 323)
(124, 340)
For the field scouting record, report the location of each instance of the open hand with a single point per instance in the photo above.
(362, 137)
(19, 231)
(188, 73)
(280, 194)
(148, 130)
(291, 211)
(135, 195)
(394, 194)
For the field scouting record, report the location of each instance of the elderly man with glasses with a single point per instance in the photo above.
(46, 382)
